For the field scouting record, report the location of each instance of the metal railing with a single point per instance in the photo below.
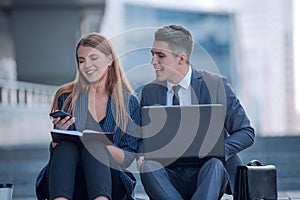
(25, 94)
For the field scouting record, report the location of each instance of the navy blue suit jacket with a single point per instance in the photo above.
(210, 88)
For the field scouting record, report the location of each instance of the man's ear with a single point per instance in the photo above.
(182, 58)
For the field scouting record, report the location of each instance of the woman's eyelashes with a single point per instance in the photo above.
(93, 58)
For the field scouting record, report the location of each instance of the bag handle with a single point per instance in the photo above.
(254, 163)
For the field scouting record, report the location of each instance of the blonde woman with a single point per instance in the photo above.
(99, 98)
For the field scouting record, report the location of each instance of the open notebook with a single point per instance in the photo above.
(75, 136)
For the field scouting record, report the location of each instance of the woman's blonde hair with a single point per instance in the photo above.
(115, 83)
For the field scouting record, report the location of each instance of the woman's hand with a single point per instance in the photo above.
(140, 162)
(63, 123)
(53, 144)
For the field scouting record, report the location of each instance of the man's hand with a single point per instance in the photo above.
(140, 162)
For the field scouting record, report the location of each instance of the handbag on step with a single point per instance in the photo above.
(255, 181)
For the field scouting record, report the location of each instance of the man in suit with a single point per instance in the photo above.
(171, 52)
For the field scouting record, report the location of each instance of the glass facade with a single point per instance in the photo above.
(213, 34)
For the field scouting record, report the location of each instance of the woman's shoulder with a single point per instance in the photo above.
(64, 91)
(127, 94)
(63, 96)
(130, 98)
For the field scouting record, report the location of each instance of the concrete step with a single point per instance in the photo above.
(21, 164)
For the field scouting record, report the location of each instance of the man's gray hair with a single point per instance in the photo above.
(178, 38)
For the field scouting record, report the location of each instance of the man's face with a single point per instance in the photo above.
(165, 62)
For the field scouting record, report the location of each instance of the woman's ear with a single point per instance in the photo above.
(110, 60)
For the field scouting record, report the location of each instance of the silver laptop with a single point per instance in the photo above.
(183, 135)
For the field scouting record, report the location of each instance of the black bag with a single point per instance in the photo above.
(255, 181)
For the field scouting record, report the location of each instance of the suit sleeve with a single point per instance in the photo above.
(237, 124)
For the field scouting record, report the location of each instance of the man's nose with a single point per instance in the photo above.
(154, 60)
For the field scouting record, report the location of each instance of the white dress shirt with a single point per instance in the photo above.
(184, 92)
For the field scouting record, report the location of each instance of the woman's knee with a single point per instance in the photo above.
(65, 147)
(65, 153)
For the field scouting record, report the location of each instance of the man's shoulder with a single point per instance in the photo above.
(154, 85)
(207, 74)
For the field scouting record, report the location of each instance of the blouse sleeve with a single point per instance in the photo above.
(61, 100)
(129, 142)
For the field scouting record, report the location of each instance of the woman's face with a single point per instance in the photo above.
(93, 64)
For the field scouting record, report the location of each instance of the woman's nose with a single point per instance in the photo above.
(87, 63)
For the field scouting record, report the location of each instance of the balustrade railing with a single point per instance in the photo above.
(24, 94)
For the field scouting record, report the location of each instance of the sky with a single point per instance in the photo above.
(297, 52)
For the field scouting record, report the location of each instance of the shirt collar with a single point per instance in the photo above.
(185, 82)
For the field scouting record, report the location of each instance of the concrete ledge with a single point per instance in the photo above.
(21, 164)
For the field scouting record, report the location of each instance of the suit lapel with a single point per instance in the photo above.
(196, 83)
(199, 92)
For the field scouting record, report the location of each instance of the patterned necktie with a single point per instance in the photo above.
(176, 88)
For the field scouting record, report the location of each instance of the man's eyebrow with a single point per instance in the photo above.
(156, 51)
